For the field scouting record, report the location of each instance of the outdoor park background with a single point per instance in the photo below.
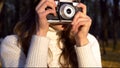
(105, 27)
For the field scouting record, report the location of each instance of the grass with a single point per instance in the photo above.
(112, 58)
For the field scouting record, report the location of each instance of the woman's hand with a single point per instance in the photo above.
(43, 25)
(80, 26)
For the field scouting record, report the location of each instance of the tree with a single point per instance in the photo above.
(104, 24)
(1, 4)
(9, 15)
(116, 22)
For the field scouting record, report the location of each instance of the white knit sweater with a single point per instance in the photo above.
(38, 56)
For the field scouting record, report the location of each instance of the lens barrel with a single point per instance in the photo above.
(67, 11)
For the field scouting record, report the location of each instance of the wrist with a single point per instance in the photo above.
(41, 33)
(82, 42)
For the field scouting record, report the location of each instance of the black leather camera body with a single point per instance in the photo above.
(65, 13)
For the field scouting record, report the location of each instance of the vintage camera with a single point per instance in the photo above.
(65, 13)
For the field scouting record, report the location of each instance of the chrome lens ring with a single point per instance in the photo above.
(67, 11)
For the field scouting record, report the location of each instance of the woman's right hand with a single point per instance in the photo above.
(43, 25)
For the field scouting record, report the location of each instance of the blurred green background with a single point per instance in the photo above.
(105, 15)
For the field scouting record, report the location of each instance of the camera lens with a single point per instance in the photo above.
(69, 11)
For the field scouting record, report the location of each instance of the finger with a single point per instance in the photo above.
(78, 15)
(40, 3)
(49, 11)
(73, 31)
(85, 23)
(75, 18)
(84, 8)
(74, 28)
(45, 5)
(79, 26)
(82, 22)
(75, 22)
(53, 2)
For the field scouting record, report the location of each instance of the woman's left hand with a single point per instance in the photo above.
(80, 26)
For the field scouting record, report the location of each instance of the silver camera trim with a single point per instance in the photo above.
(62, 21)
(74, 3)
(63, 11)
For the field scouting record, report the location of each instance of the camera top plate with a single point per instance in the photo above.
(74, 3)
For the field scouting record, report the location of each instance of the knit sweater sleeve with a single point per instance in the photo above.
(89, 55)
(38, 52)
(13, 56)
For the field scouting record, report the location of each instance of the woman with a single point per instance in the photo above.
(40, 44)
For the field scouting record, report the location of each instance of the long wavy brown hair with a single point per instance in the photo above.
(26, 27)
